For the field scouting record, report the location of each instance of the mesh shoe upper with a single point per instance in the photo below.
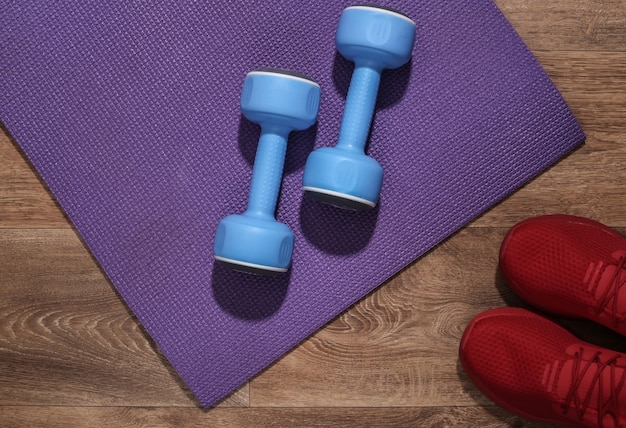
(536, 369)
(568, 266)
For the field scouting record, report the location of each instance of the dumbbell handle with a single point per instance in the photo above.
(267, 172)
(359, 108)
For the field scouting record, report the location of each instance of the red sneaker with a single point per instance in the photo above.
(568, 266)
(536, 369)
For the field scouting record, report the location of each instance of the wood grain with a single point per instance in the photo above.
(568, 25)
(399, 346)
(24, 199)
(65, 335)
(333, 417)
(72, 354)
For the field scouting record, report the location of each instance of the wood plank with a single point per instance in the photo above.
(568, 24)
(24, 200)
(78, 417)
(593, 84)
(67, 338)
(587, 183)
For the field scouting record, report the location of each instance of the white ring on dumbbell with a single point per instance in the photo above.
(383, 9)
(339, 195)
(286, 75)
(250, 265)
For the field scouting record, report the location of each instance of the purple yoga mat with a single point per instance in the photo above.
(130, 113)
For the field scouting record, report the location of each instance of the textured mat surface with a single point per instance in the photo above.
(130, 113)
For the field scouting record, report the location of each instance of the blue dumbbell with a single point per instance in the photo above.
(375, 38)
(280, 102)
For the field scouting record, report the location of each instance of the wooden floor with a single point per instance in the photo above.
(72, 355)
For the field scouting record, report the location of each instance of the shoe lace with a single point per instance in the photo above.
(611, 292)
(605, 405)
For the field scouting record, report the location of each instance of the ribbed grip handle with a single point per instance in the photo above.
(359, 109)
(267, 173)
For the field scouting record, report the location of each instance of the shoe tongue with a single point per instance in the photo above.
(608, 380)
